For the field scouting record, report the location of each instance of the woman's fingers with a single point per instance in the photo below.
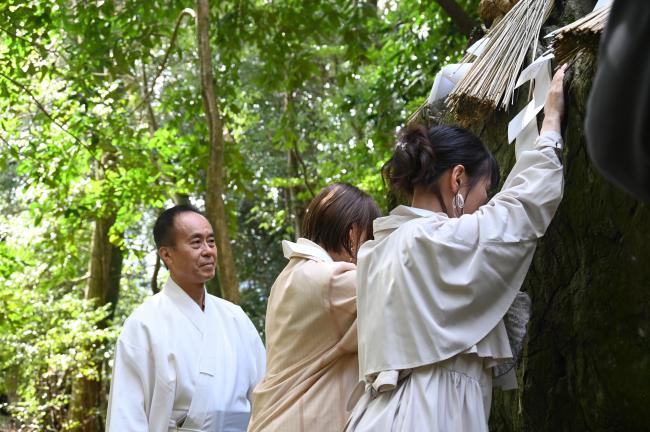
(555, 99)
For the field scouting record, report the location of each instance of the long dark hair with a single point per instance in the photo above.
(334, 211)
(421, 156)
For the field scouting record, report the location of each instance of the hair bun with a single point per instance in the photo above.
(412, 152)
(423, 155)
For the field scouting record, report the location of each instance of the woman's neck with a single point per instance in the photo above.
(341, 256)
(426, 200)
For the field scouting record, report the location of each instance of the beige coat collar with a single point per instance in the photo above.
(304, 248)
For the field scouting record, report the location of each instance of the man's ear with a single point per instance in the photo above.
(165, 256)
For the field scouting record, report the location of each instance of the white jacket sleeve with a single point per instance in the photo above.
(523, 209)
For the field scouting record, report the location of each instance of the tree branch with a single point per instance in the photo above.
(10, 147)
(32, 43)
(73, 282)
(304, 168)
(4, 140)
(41, 107)
(148, 93)
(215, 190)
(295, 151)
(464, 22)
(153, 124)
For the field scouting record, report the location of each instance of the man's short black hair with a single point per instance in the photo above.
(163, 229)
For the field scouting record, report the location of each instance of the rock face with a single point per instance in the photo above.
(587, 360)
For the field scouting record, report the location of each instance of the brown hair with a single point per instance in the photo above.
(334, 212)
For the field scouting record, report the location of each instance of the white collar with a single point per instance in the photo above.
(414, 212)
(399, 215)
(186, 304)
(305, 249)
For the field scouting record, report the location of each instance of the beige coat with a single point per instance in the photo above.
(311, 339)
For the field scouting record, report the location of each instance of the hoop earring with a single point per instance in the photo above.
(458, 202)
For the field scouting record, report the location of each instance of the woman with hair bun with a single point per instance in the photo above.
(439, 276)
(311, 318)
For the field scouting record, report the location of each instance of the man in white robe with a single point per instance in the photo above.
(185, 360)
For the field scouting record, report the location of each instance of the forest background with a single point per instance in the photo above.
(113, 110)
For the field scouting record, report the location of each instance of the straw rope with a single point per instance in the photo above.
(491, 81)
(579, 36)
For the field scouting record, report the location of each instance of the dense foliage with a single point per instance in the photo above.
(102, 125)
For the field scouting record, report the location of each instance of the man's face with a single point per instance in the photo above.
(192, 259)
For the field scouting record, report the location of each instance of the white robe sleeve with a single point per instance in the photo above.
(127, 404)
(140, 400)
(259, 352)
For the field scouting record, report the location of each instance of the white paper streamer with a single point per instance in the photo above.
(451, 74)
(532, 71)
(523, 127)
(478, 47)
(447, 79)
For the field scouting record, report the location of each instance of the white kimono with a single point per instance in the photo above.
(180, 368)
(432, 294)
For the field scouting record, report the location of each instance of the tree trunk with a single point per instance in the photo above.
(294, 212)
(293, 208)
(103, 287)
(153, 127)
(464, 22)
(585, 366)
(214, 203)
